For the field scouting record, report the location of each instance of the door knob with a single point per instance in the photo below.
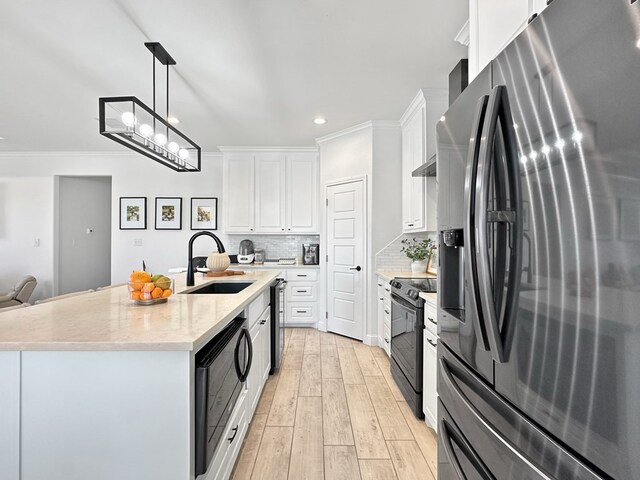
(357, 269)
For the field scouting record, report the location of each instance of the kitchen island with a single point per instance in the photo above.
(94, 386)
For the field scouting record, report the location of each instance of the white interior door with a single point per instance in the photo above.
(346, 246)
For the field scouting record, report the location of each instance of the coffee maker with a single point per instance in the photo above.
(311, 254)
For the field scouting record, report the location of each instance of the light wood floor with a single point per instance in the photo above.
(333, 412)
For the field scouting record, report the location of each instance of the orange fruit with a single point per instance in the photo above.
(135, 295)
(148, 287)
(167, 293)
(156, 293)
(138, 279)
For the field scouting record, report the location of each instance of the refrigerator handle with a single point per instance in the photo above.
(448, 431)
(489, 314)
(470, 264)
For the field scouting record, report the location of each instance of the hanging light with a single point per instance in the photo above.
(133, 124)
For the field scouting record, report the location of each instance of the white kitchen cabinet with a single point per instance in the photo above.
(418, 146)
(238, 175)
(270, 195)
(286, 192)
(301, 298)
(493, 24)
(430, 380)
(260, 333)
(302, 191)
(384, 315)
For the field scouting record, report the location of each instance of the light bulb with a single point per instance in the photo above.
(560, 144)
(129, 119)
(577, 136)
(533, 155)
(146, 130)
(523, 159)
(546, 149)
(160, 139)
(173, 147)
(183, 153)
(319, 120)
(443, 118)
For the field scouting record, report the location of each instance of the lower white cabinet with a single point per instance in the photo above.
(384, 315)
(429, 381)
(261, 340)
(225, 457)
(302, 298)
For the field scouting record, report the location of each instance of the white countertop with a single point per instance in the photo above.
(389, 275)
(108, 320)
(430, 297)
(270, 266)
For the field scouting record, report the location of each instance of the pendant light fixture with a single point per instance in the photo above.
(133, 124)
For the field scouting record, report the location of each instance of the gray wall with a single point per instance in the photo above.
(84, 259)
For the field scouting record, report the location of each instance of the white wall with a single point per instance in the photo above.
(373, 149)
(26, 212)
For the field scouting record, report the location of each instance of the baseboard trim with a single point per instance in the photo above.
(371, 340)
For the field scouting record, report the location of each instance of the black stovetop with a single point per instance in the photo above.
(410, 288)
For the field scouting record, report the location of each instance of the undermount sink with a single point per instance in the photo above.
(220, 288)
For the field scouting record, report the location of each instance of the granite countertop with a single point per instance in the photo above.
(108, 320)
(431, 297)
(389, 275)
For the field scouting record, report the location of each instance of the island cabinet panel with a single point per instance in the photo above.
(106, 414)
(10, 415)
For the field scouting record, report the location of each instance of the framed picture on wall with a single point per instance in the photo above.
(133, 213)
(204, 213)
(168, 213)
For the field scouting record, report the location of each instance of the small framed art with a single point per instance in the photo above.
(133, 213)
(204, 213)
(168, 213)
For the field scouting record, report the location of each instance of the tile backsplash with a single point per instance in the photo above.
(392, 258)
(275, 246)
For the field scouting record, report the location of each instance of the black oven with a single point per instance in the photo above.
(407, 338)
(222, 366)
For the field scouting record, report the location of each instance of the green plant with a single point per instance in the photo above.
(416, 249)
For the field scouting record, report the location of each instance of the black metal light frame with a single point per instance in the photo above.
(130, 137)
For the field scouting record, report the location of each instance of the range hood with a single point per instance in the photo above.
(426, 169)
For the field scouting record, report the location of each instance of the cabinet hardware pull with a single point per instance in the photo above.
(300, 275)
(381, 298)
(386, 340)
(387, 311)
(432, 320)
(235, 432)
(301, 311)
(433, 344)
(301, 291)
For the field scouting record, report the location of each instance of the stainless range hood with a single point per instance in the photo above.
(426, 169)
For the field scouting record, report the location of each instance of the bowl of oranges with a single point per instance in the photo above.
(147, 289)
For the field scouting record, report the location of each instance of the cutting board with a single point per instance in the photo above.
(226, 273)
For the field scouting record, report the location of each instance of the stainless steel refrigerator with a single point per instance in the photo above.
(539, 219)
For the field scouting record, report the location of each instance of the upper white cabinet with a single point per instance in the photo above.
(418, 145)
(238, 172)
(493, 24)
(283, 195)
(302, 191)
(270, 197)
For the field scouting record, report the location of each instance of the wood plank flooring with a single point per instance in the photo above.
(333, 412)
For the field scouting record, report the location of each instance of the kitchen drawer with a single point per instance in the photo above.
(386, 337)
(302, 313)
(430, 311)
(302, 275)
(302, 292)
(257, 307)
(387, 315)
(431, 322)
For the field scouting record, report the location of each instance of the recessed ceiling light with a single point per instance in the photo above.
(1, 138)
(319, 120)
(173, 120)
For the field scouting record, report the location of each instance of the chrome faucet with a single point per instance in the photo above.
(190, 274)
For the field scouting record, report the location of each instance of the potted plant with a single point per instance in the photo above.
(418, 251)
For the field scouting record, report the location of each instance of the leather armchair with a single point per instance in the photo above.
(20, 293)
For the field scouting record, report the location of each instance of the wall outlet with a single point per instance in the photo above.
(137, 242)
(36, 242)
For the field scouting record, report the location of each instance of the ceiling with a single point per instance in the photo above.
(249, 72)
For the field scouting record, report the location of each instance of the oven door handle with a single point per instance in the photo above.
(403, 303)
(247, 337)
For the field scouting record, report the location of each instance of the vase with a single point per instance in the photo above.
(419, 266)
(218, 262)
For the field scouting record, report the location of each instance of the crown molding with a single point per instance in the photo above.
(232, 149)
(377, 124)
(424, 95)
(463, 35)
